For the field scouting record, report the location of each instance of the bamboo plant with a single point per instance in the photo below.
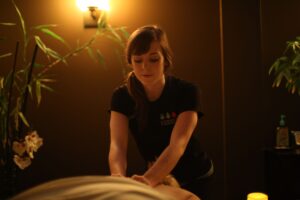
(25, 81)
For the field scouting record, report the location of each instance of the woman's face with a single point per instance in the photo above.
(149, 67)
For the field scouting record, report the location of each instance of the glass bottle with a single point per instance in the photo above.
(282, 134)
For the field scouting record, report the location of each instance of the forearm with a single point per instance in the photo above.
(163, 165)
(117, 163)
(181, 134)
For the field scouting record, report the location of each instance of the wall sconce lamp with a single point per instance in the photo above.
(257, 196)
(92, 10)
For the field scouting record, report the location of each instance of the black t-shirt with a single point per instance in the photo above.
(177, 96)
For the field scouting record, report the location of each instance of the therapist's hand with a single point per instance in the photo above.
(141, 179)
(117, 175)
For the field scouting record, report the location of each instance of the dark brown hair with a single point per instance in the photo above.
(140, 40)
(139, 43)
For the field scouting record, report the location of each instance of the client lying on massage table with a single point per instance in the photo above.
(102, 188)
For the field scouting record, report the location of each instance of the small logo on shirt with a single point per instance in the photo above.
(167, 118)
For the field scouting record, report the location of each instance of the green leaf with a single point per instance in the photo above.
(40, 43)
(37, 65)
(115, 34)
(7, 24)
(64, 61)
(274, 66)
(102, 22)
(22, 24)
(287, 75)
(5, 55)
(91, 54)
(124, 32)
(54, 54)
(23, 119)
(280, 65)
(47, 87)
(100, 58)
(296, 60)
(47, 50)
(8, 79)
(38, 91)
(44, 26)
(283, 59)
(54, 35)
(30, 91)
(47, 80)
(295, 45)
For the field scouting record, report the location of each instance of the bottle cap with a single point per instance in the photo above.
(282, 120)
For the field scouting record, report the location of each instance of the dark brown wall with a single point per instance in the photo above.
(243, 98)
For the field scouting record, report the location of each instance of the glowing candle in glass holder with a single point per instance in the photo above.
(257, 196)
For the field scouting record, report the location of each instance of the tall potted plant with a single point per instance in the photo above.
(18, 141)
(286, 69)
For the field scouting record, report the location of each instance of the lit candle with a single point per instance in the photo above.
(257, 196)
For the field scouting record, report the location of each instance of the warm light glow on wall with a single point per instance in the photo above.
(99, 4)
(94, 11)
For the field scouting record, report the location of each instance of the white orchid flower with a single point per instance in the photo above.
(22, 162)
(19, 147)
(33, 143)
